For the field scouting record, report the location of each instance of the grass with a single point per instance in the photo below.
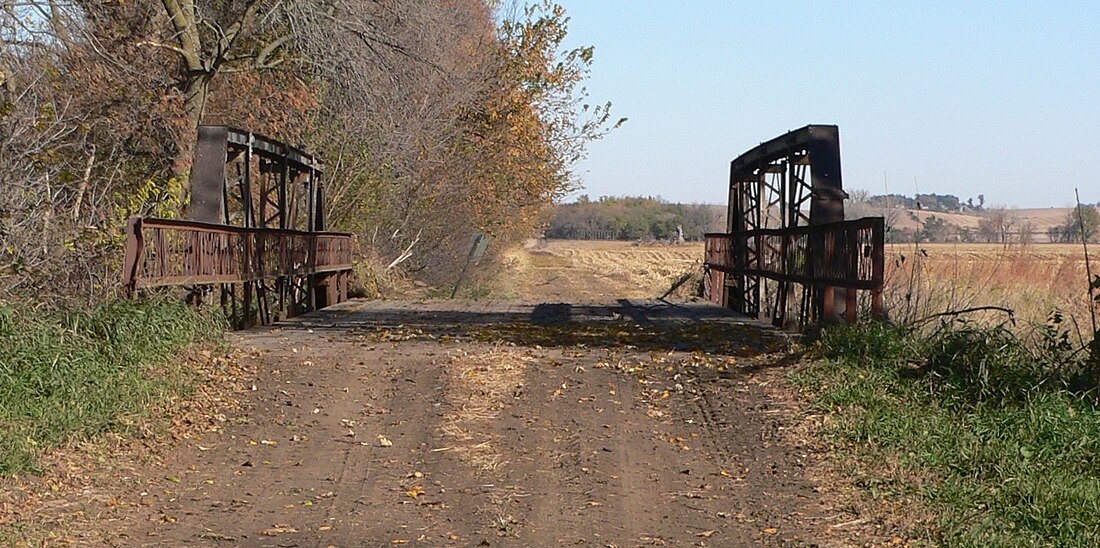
(981, 430)
(72, 374)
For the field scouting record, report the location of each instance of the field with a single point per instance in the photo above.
(1031, 280)
(1036, 221)
(579, 271)
(922, 280)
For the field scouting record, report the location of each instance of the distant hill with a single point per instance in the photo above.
(985, 225)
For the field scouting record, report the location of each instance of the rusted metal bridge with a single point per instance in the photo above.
(789, 256)
(257, 232)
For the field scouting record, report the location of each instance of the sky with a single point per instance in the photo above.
(966, 98)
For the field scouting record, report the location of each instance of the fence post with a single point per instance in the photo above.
(878, 266)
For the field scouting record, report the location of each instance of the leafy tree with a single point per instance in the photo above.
(634, 218)
(935, 229)
(436, 119)
(1082, 221)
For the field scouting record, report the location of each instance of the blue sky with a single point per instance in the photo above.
(965, 98)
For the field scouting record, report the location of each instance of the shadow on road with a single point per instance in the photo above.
(646, 326)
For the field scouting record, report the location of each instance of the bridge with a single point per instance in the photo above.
(257, 232)
(627, 422)
(789, 255)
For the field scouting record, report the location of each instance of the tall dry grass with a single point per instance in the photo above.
(926, 280)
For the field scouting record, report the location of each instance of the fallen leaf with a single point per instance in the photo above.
(210, 535)
(383, 441)
(771, 530)
(278, 529)
(415, 491)
(706, 534)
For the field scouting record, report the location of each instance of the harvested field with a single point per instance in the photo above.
(1032, 280)
(579, 271)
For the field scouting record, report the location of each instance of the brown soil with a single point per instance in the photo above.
(496, 424)
(612, 423)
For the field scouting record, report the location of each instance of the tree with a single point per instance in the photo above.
(935, 229)
(435, 118)
(479, 128)
(996, 225)
(1081, 222)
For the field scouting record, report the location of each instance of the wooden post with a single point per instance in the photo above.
(851, 308)
(878, 266)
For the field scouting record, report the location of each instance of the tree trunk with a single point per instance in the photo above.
(195, 92)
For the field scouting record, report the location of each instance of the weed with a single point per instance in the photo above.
(1005, 452)
(73, 373)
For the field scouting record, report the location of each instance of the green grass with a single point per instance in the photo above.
(75, 373)
(977, 427)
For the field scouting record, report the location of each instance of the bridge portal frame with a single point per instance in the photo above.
(791, 181)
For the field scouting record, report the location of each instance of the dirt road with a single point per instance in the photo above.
(495, 424)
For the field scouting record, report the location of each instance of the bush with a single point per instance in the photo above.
(876, 341)
(982, 364)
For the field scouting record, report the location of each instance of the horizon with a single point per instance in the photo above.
(573, 198)
(965, 99)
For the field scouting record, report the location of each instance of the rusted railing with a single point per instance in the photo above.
(307, 269)
(846, 255)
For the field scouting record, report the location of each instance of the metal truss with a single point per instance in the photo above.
(791, 181)
(243, 179)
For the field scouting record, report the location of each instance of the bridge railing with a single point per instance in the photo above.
(163, 252)
(848, 255)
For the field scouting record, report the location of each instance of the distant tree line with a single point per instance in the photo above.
(1001, 226)
(945, 203)
(634, 218)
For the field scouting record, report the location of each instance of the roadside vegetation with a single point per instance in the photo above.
(429, 139)
(981, 434)
(72, 373)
